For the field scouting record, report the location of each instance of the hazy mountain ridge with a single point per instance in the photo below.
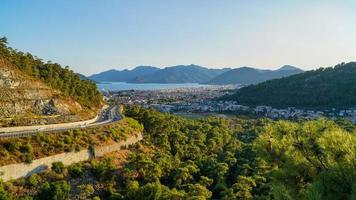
(180, 74)
(324, 87)
(193, 74)
(123, 75)
(248, 75)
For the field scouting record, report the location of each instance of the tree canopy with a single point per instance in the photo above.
(324, 87)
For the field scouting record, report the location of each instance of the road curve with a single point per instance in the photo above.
(106, 116)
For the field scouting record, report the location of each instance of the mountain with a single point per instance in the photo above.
(124, 75)
(180, 74)
(34, 90)
(82, 76)
(248, 75)
(324, 87)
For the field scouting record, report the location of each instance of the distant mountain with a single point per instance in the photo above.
(82, 76)
(248, 75)
(180, 74)
(324, 87)
(124, 75)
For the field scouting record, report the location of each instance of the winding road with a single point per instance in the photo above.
(106, 116)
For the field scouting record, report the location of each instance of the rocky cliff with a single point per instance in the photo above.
(24, 100)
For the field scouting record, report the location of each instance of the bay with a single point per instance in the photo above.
(119, 86)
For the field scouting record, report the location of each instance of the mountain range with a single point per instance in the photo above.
(324, 87)
(194, 74)
(180, 74)
(248, 75)
(124, 75)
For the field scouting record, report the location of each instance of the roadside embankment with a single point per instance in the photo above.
(15, 171)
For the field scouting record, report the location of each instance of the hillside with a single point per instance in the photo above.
(37, 92)
(180, 74)
(248, 75)
(324, 87)
(124, 75)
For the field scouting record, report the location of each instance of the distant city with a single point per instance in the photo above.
(205, 100)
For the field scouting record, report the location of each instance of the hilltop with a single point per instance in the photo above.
(248, 75)
(324, 87)
(36, 92)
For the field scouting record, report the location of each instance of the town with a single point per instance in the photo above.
(205, 100)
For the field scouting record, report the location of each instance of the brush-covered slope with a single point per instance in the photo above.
(36, 92)
(248, 75)
(324, 87)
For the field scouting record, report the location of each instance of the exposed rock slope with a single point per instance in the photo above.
(21, 96)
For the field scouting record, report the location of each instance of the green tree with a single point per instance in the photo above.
(58, 167)
(54, 191)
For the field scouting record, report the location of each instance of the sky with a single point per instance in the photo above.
(92, 36)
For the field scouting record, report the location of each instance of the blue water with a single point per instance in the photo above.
(118, 86)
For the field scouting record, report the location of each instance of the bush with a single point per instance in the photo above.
(54, 191)
(76, 170)
(32, 180)
(4, 195)
(58, 167)
(86, 191)
(27, 148)
(11, 146)
(28, 158)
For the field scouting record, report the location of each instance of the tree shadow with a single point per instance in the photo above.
(36, 170)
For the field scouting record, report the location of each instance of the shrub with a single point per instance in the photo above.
(86, 191)
(4, 195)
(76, 170)
(27, 148)
(11, 146)
(28, 158)
(54, 191)
(58, 167)
(32, 180)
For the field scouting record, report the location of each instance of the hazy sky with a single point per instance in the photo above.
(92, 36)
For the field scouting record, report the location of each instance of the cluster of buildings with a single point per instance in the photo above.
(170, 96)
(204, 100)
(262, 111)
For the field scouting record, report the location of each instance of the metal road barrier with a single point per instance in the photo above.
(111, 116)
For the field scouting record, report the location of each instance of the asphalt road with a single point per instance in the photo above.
(106, 116)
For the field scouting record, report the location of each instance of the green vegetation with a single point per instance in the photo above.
(16, 150)
(214, 158)
(52, 74)
(58, 167)
(54, 191)
(248, 75)
(324, 87)
(287, 160)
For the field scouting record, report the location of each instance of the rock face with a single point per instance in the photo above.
(21, 96)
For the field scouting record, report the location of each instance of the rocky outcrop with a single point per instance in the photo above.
(21, 96)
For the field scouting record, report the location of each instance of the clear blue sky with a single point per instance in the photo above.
(92, 36)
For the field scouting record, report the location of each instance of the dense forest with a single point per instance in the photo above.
(324, 87)
(249, 75)
(52, 74)
(214, 158)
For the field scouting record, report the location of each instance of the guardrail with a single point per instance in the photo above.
(113, 116)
